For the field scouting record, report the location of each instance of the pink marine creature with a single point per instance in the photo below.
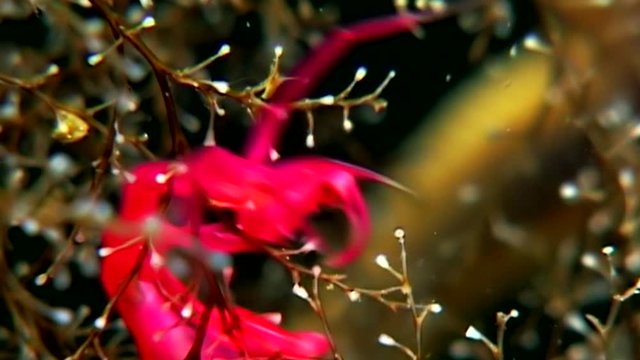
(261, 203)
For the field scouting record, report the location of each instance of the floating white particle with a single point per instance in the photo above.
(360, 73)
(473, 333)
(310, 141)
(300, 292)
(386, 340)
(381, 260)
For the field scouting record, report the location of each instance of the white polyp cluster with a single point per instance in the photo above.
(300, 291)
(386, 340)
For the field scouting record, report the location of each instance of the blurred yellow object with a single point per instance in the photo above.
(483, 166)
(69, 127)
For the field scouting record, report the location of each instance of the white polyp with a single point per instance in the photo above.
(381, 260)
(316, 270)
(392, 74)
(399, 233)
(435, 308)
(386, 340)
(360, 73)
(147, 4)
(608, 250)
(347, 125)
(156, 260)
(95, 59)
(148, 22)
(590, 260)
(224, 50)
(310, 141)
(41, 279)
(274, 155)
(569, 190)
(353, 296)
(61, 316)
(300, 292)
(161, 178)
(473, 333)
(105, 251)
(100, 322)
(52, 69)
(514, 313)
(327, 100)
(187, 310)
(221, 86)
(278, 50)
